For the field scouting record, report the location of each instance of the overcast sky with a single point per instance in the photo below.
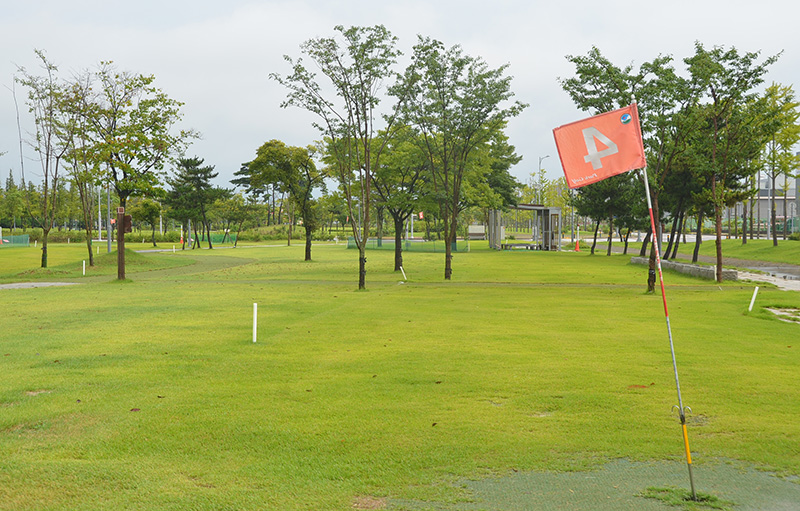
(215, 56)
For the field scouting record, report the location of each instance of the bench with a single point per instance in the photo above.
(512, 246)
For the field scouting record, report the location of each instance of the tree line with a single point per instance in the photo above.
(708, 130)
(396, 142)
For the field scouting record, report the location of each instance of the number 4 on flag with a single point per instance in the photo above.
(594, 156)
(600, 147)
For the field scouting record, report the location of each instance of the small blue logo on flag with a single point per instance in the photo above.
(625, 119)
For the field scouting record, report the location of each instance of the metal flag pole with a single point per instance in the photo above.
(680, 407)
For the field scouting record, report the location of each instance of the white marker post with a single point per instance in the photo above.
(404, 273)
(753, 300)
(84, 267)
(255, 321)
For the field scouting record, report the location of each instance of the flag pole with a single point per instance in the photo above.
(680, 407)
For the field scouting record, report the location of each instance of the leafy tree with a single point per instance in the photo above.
(238, 211)
(44, 95)
(13, 201)
(148, 211)
(356, 68)
(131, 124)
(291, 169)
(778, 156)
(665, 102)
(736, 124)
(83, 172)
(399, 181)
(606, 200)
(192, 193)
(455, 103)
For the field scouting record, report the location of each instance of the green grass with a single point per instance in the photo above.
(151, 395)
(678, 497)
(787, 251)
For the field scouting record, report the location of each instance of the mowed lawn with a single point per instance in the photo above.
(150, 394)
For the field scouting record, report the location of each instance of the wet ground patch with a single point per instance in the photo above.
(624, 485)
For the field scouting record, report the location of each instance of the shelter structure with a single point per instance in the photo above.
(545, 228)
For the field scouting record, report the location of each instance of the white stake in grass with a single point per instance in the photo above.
(753, 300)
(255, 321)
(84, 267)
(404, 273)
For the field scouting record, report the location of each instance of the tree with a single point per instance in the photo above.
(192, 193)
(356, 69)
(398, 182)
(778, 156)
(83, 171)
(606, 200)
(148, 211)
(131, 124)
(665, 99)
(291, 169)
(237, 211)
(455, 102)
(44, 95)
(13, 202)
(736, 123)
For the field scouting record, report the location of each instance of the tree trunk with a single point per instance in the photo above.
(651, 268)
(380, 226)
(594, 240)
(196, 240)
(449, 239)
(238, 230)
(673, 230)
(610, 234)
(645, 243)
(627, 236)
(206, 226)
(773, 217)
(87, 205)
(785, 214)
(398, 241)
(744, 223)
(45, 234)
(681, 226)
(309, 234)
(154, 236)
(699, 237)
(718, 241)
(362, 266)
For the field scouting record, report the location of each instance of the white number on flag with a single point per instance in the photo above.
(594, 156)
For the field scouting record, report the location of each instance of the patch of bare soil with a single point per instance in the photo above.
(368, 502)
(37, 392)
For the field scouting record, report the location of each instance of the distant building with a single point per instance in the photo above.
(787, 203)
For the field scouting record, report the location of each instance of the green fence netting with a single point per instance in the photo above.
(411, 246)
(22, 240)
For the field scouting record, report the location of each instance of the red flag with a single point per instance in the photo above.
(601, 146)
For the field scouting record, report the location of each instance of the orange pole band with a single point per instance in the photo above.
(686, 443)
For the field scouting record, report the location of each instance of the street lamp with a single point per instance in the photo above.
(539, 177)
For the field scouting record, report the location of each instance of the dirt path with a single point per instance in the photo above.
(28, 285)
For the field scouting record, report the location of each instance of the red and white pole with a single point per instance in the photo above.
(681, 409)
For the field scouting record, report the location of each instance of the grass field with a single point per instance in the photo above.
(150, 394)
